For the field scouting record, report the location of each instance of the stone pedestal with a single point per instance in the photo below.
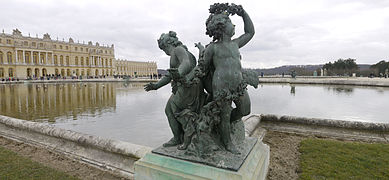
(155, 166)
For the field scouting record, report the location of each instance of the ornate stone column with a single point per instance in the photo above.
(16, 57)
(32, 57)
(24, 57)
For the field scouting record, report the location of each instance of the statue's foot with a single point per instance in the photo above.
(172, 142)
(231, 148)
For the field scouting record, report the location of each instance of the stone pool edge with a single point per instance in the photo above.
(326, 128)
(353, 81)
(115, 156)
(119, 157)
(77, 81)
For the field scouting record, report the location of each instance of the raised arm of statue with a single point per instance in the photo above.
(200, 47)
(196, 72)
(248, 30)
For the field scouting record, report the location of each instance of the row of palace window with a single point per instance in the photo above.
(76, 72)
(8, 41)
(41, 45)
(10, 72)
(136, 69)
(103, 62)
(82, 49)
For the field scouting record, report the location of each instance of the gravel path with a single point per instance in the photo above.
(284, 155)
(56, 161)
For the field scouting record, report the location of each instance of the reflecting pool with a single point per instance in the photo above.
(126, 112)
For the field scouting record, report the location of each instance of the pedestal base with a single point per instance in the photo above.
(155, 166)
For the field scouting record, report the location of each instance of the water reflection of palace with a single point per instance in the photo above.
(47, 102)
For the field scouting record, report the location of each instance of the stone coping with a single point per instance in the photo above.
(121, 156)
(358, 81)
(358, 125)
(138, 151)
(77, 80)
(115, 146)
(111, 155)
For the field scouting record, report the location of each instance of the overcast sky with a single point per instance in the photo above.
(287, 31)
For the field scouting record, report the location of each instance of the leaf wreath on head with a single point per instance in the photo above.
(215, 28)
(232, 9)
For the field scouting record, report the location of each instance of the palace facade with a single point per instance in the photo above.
(23, 57)
(135, 68)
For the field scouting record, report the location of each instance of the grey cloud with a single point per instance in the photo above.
(289, 37)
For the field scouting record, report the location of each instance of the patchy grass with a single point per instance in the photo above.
(330, 159)
(13, 166)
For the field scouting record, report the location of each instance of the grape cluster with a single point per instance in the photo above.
(232, 9)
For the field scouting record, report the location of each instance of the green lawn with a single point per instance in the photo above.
(330, 159)
(13, 166)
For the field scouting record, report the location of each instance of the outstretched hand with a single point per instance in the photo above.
(150, 86)
(199, 46)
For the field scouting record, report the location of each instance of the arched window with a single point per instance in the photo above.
(29, 72)
(42, 60)
(10, 72)
(49, 59)
(1, 58)
(20, 56)
(106, 62)
(9, 57)
(55, 60)
(67, 60)
(76, 60)
(1, 72)
(61, 60)
(110, 62)
(37, 72)
(44, 72)
(82, 61)
(87, 61)
(35, 58)
(27, 57)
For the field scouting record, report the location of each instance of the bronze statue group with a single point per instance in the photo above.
(200, 111)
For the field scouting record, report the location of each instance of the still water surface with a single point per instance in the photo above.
(126, 112)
